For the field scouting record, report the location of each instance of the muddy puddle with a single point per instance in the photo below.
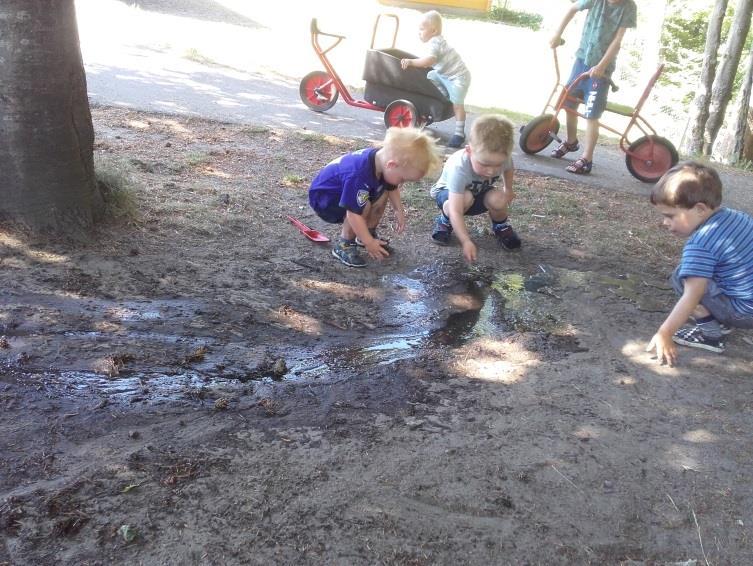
(156, 351)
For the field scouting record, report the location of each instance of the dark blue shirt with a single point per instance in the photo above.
(349, 181)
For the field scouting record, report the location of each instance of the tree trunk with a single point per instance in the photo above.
(741, 124)
(722, 90)
(699, 111)
(748, 144)
(46, 131)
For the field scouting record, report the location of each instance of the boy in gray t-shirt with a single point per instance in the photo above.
(449, 73)
(467, 186)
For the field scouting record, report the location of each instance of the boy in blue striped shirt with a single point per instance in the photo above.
(715, 275)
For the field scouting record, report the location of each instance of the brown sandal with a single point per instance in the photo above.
(580, 166)
(564, 148)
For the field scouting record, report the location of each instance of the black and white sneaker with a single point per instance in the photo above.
(694, 338)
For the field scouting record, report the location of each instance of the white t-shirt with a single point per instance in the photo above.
(458, 176)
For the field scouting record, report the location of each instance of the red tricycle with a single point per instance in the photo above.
(647, 158)
(406, 97)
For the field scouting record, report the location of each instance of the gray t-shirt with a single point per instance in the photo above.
(458, 176)
(449, 63)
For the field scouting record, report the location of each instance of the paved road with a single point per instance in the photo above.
(139, 65)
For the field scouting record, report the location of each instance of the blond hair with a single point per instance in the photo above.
(414, 147)
(492, 133)
(687, 184)
(434, 19)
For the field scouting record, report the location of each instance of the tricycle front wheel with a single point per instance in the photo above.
(401, 114)
(538, 133)
(649, 157)
(317, 91)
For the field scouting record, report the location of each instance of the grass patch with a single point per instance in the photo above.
(118, 189)
(255, 130)
(195, 55)
(195, 159)
(499, 12)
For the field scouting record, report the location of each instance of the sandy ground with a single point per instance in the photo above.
(199, 384)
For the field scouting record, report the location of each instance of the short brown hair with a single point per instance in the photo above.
(687, 184)
(492, 132)
(413, 146)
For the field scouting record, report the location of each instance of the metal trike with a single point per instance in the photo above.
(647, 157)
(406, 97)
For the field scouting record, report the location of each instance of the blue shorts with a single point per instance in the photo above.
(593, 91)
(476, 208)
(717, 303)
(454, 89)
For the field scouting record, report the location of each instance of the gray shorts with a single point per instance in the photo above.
(717, 303)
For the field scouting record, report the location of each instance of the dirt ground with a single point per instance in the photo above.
(199, 384)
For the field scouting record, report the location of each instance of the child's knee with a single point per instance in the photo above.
(496, 201)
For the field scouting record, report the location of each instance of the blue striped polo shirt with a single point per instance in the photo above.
(722, 249)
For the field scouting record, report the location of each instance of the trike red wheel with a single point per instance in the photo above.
(649, 157)
(400, 114)
(318, 91)
(537, 134)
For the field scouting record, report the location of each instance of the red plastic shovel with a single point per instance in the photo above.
(310, 233)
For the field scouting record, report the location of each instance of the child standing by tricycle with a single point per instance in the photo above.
(600, 42)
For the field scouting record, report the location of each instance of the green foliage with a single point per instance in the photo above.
(514, 17)
(505, 15)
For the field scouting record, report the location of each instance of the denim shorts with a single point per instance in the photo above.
(476, 208)
(717, 303)
(593, 91)
(454, 89)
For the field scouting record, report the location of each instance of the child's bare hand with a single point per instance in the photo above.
(405, 63)
(469, 251)
(666, 351)
(399, 221)
(376, 250)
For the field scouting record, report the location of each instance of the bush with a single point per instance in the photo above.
(515, 18)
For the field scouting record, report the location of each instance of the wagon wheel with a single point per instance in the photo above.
(400, 114)
(649, 157)
(538, 133)
(318, 91)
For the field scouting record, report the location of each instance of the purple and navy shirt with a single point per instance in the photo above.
(349, 182)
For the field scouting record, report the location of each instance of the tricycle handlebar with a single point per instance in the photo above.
(315, 30)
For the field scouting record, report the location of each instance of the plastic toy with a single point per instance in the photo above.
(406, 97)
(647, 158)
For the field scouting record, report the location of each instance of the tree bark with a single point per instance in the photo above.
(46, 132)
(743, 109)
(699, 111)
(722, 89)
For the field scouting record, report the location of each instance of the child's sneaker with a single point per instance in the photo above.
(694, 338)
(347, 252)
(506, 237)
(456, 141)
(442, 231)
(725, 329)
